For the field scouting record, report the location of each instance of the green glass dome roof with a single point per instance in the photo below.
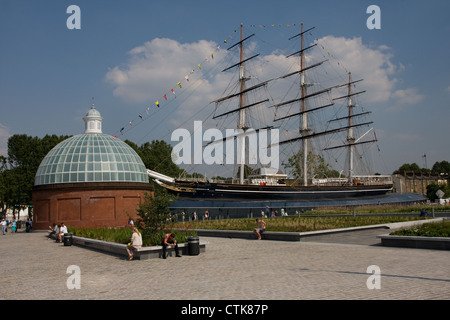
(91, 157)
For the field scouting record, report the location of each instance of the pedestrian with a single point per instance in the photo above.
(13, 226)
(260, 229)
(206, 214)
(134, 244)
(267, 213)
(169, 240)
(62, 231)
(27, 225)
(3, 223)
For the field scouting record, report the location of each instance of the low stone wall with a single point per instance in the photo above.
(120, 249)
(268, 235)
(415, 242)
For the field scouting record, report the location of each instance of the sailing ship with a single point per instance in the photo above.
(267, 183)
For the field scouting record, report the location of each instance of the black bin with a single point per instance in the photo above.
(193, 246)
(67, 239)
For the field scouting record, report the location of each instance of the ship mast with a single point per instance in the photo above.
(241, 124)
(242, 105)
(350, 136)
(304, 119)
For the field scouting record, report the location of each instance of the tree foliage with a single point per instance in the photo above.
(434, 187)
(18, 169)
(154, 215)
(317, 166)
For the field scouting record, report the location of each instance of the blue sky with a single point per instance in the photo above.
(49, 73)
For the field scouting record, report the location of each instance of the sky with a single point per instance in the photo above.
(126, 55)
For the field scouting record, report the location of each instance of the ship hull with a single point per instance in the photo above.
(204, 191)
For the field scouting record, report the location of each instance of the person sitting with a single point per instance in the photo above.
(169, 240)
(62, 231)
(52, 231)
(135, 243)
(261, 228)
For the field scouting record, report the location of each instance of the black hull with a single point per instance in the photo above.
(236, 192)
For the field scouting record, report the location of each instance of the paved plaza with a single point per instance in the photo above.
(232, 269)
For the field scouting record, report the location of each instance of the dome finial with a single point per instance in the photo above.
(93, 120)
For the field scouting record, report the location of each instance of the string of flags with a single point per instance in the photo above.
(263, 26)
(158, 103)
(180, 84)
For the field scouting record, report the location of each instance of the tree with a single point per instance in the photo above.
(18, 170)
(154, 214)
(433, 187)
(408, 167)
(316, 165)
(441, 167)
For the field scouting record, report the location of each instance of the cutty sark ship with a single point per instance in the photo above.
(268, 183)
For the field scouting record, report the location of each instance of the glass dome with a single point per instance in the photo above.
(91, 157)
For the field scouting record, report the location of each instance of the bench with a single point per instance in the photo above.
(143, 253)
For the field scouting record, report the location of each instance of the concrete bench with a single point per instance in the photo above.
(267, 235)
(142, 253)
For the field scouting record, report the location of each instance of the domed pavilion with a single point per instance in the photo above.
(91, 180)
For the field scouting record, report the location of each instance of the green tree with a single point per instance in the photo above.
(433, 187)
(19, 168)
(441, 167)
(408, 167)
(317, 166)
(154, 214)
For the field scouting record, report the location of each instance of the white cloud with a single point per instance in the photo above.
(407, 96)
(374, 65)
(156, 67)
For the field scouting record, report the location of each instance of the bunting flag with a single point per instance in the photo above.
(263, 26)
(208, 59)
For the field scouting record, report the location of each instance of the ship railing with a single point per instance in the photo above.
(360, 179)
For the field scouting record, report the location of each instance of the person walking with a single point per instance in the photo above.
(13, 226)
(3, 223)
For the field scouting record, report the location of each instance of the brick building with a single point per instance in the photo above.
(91, 179)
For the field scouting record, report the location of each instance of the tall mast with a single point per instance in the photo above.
(241, 124)
(304, 130)
(350, 137)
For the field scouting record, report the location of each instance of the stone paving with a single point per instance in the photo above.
(35, 268)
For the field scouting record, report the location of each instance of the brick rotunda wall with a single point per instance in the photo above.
(87, 204)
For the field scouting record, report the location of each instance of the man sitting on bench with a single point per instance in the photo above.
(169, 240)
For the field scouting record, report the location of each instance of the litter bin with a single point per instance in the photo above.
(193, 246)
(67, 239)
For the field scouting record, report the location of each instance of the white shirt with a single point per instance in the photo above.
(63, 230)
